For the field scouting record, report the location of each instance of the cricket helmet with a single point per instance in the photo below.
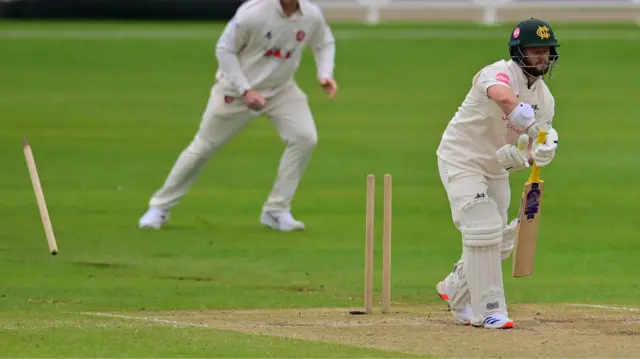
(533, 33)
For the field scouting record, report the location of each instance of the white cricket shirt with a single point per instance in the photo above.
(261, 47)
(479, 127)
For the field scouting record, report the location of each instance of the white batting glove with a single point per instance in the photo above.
(543, 153)
(512, 158)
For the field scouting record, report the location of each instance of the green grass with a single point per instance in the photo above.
(107, 118)
(143, 341)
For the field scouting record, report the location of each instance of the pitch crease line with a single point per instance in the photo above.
(598, 306)
(149, 319)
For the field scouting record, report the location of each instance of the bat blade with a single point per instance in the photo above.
(526, 238)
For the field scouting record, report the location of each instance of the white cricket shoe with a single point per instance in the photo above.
(154, 218)
(445, 289)
(281, 221)
(496, 321)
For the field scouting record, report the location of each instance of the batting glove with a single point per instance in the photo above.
(512, 159)
(543, 153)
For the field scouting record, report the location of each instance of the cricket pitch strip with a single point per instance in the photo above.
(549, 331)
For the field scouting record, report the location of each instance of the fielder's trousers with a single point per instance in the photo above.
(223, 118)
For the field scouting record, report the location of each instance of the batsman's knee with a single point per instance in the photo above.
(481, 223)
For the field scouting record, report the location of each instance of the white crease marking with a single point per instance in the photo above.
(598, 306)
(262, 325)
(149, 319)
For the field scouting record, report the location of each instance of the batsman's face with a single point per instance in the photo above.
(289, 3)
(537, 58)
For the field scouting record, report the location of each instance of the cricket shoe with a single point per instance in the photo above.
(445, 289)
(281, 221)
(496, 321)
(154, 218)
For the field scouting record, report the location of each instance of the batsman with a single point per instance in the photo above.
(508, 103)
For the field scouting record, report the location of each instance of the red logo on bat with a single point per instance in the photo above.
(504, 78)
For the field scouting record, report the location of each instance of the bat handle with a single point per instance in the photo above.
(535, 170)
(542, 136)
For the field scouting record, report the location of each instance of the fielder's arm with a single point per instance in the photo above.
(234, 38)
(324, 50)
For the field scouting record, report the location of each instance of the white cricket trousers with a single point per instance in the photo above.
(291, 116)
(463, 186)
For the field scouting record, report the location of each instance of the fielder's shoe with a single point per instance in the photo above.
(154, 218)
(496, 321)
(281, 221)
(445, 289)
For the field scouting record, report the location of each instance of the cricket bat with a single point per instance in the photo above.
(528, 220)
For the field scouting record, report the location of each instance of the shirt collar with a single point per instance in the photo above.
(281, 11)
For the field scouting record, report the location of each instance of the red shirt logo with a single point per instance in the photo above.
(278, 53)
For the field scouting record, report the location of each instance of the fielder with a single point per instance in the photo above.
(258, 54)
(508, 101)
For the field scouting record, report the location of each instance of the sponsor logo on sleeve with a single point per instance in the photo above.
(504, 78)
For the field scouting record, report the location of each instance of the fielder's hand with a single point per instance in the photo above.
(512, 158)
(543, 153)
(329, 86)
(253, 99)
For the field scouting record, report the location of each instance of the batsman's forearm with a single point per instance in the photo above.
(520, 113)
(504, 98)
(230, 66)
(325, 61)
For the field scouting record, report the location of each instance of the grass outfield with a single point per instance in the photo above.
(108, 108)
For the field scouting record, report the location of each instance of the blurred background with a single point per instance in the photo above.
(370, 11)
(112, 91)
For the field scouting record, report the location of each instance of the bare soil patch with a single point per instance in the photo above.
(541, 331)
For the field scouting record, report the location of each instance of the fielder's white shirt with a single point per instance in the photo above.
(479, 127)
(261, 47)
